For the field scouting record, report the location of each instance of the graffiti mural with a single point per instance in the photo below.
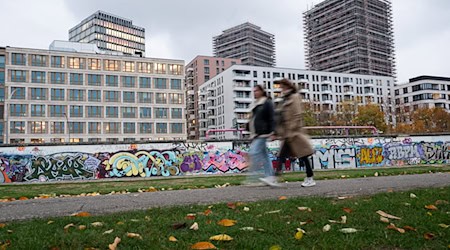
(82, 162)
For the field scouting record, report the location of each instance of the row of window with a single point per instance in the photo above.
(19, 93)
(41, 127)
(96, 64)
(37, 110)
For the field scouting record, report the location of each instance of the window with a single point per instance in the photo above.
(175, 69)
(206, 70)
(76, 127)
(111, 65)
(161, 113)
(38, 77)
(94, 96)
(177, 113)
(57, 77)
(76, 95)
(18, 59)
(129, 127)
(129, 112)
(176, 128)
(37, 110)
(57, 127)
(145, 82)
(146, 113)
(57, 94)
(176, 98)
(18, 109)
(57, 110)
(145, 97)
(128, 81)
(145, 128)
(2, 77)
(94, 64)
(38, 127)
(18, 75)
(76, 79)
(206, 61)
(161, 128)
(94, 80)
(112, 81)
(38, 60)
(111, 127)
(2, 61)
(58, 61)
(38, 94)
(160, 68)
(161, 98)
(128, 97)
(94, 128)
(112, 112)
(175, 84)
(17, 93)
(94, 111)
(17, 127)
(76, 111)
(128, 66)
(111, 96)
(160, 83)
(206, 78)
(145, 67)
(76, 63)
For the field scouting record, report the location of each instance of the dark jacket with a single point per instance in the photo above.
(262, 118)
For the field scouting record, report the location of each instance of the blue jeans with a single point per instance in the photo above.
(259, 156)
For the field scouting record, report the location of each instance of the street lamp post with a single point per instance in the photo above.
(68, 127)
(6, 127)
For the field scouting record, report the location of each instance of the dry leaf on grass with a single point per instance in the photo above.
(207, 212)
(246, 209)
(221, 237)
(384, 219)
(190, 216)
(326, 228)
(81, 214)
(120, 223)
(134, 236)
(66, 227)
(348, 230)
(392, 226)
(384, 214)
(306, 222)
(444, 225)
(441, 202)
(413, 196)
(275, 247)
(172, 239)
(431, 207)
(347, 210)
(203, 245)
(2, 225)
(273, 212)
(81, 227)
(97, 224)
(298, 235)
(116, 242)
(429, 236)
(50, 222)
(227, 222)
(231, 205)
(282, 198)
(108, 231)
(23, 198)
(194, 226)
(409, 228)
(304, 209)
(247, 229)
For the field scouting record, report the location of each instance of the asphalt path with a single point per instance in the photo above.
(104, 204)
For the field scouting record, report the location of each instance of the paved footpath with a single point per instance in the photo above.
(45, 208)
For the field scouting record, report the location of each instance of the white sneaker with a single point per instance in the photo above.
(309, 182)
(271, 181)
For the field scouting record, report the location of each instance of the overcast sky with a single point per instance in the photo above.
(182, 29)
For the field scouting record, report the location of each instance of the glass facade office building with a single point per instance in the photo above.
(110, 33)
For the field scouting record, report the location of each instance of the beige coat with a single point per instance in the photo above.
(290, 130)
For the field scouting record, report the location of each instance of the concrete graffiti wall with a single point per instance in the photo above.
(78, 162)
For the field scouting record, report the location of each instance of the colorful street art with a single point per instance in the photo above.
(83, 162)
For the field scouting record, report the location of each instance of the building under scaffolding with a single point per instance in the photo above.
(350, 36)
(248, 43)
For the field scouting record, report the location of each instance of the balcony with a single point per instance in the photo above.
(348, 84)
(368, 84)
(327, 102)
(304, 91)
(348, 92)
(241, 110)
(326, 91)
(243, 99)
(242, 76)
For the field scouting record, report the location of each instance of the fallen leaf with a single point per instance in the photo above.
(172, 239)
(376, 174)
(304, 209)
(23, 198)
(81, 227)
(108, 231)
(326, 228)
(407, 204)
(388, 215)
(2, 225)
(194, 226)
(273, 212)
(190, 216)
(343, 197)
(116, 242)
(429, 213)
(384, 219)
(347, 210)
(50, 222)
(207, 212)
(392, 226)
(413, 196)
(444, 225)
(431, 207)
(343, 219)
(246, 209)
(306, 222)
(390, 190)
(203, 245)
(135, 220)
(231, 205)
(134, 236)
(348, 230)
(66, 227)
(97, 224)
(275, 247)
(282, 198)
(81, 214)
(147, 218)
(227, 222)
(208, 222)
(408, 228)
(298, 235)
(429, 236)
(247, 229)
(441, 202)
(179, 225)
(221, 237)
(120, 223)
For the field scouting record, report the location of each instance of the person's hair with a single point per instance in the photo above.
(261, 88)
(288, 84)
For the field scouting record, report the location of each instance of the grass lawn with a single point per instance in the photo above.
(203, 181)
(275, 223)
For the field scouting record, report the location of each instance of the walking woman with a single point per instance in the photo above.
(261, 127)
(289, 115)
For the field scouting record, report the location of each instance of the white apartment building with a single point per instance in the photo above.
(225, 99)
(61, 95)
(423, 92)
